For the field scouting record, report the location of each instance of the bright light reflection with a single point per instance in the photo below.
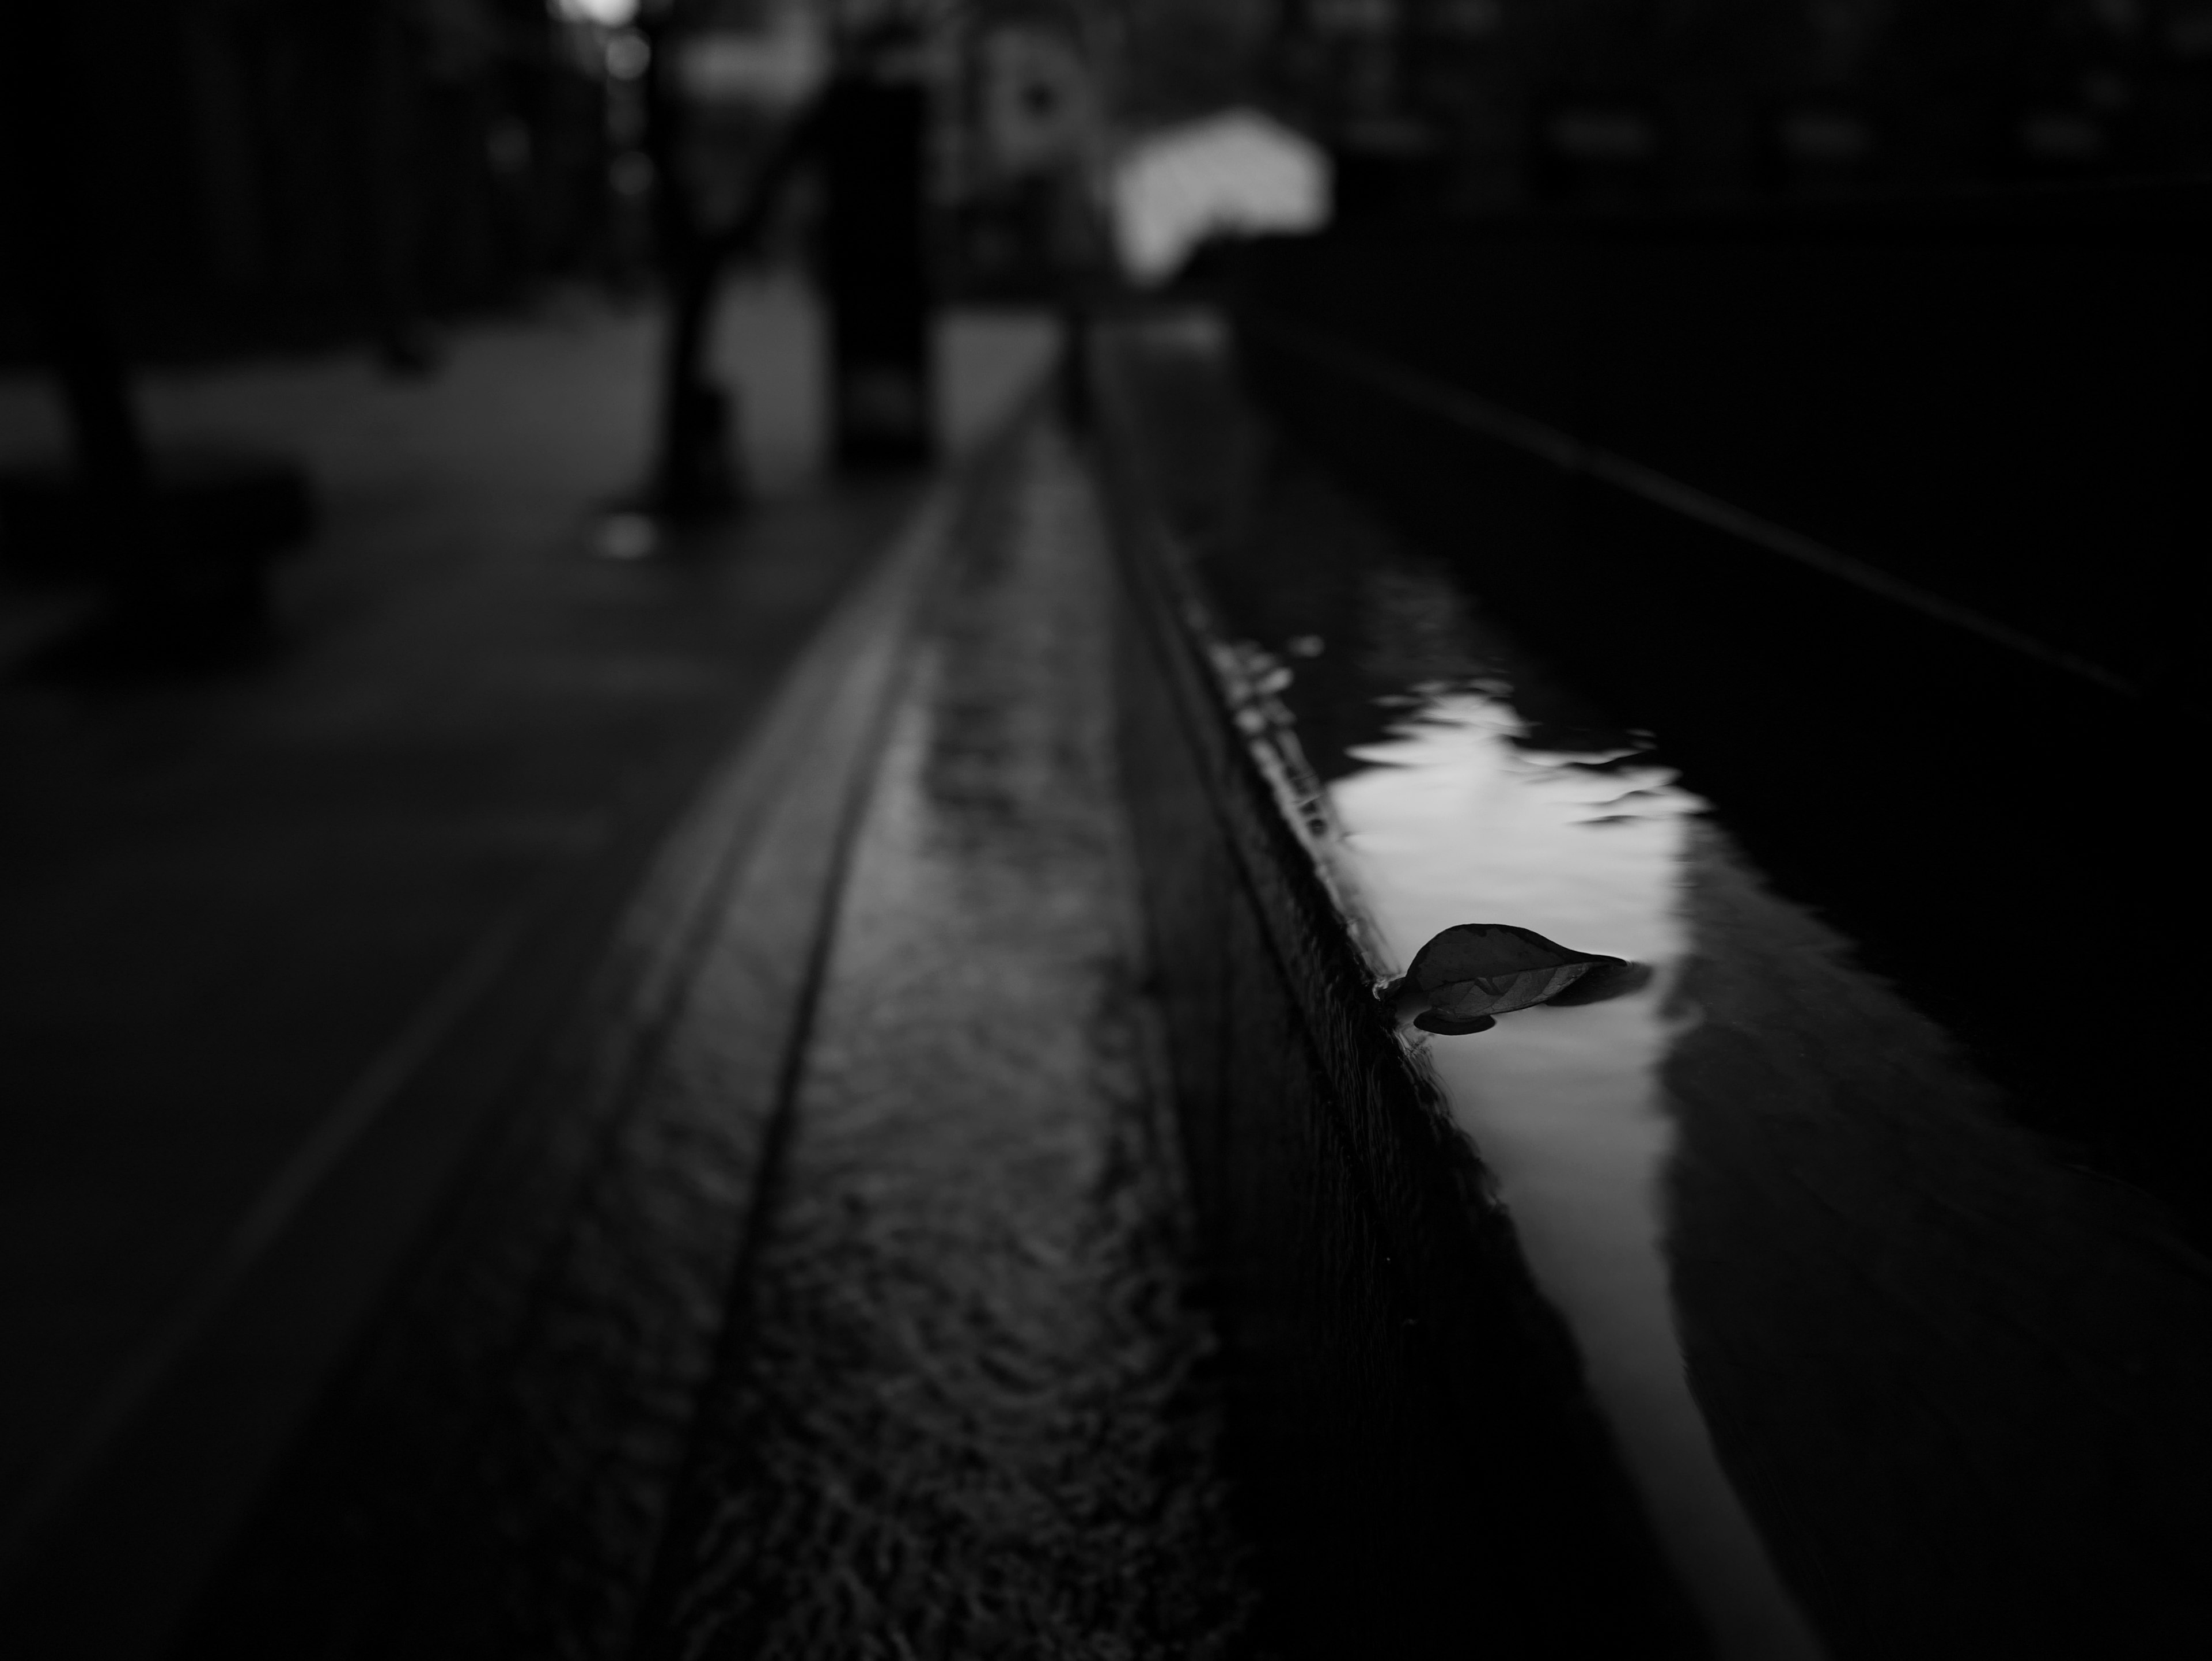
(1451, 823)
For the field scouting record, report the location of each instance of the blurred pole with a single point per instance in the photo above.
(697, 470)
(1084, 261)
(1042, 77)
(1076, 401)
(874, 124)
(695, 473)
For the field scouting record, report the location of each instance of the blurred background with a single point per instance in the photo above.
(437, 435)
(190, 183)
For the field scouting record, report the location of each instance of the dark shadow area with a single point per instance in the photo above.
(1990, 400)
(1949, 1372)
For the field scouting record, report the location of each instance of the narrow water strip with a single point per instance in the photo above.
(1824, 1271)
(1450, 822)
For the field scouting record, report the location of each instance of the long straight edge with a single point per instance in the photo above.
(919, 571)
(1176, 624)
(1574, 455)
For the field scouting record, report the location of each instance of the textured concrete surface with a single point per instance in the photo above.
(240, 906)
(851, 1219)
(966, 1413)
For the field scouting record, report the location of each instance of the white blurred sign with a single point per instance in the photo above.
(1238, 171)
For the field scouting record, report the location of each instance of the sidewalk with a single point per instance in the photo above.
(863, 1322)
(239, 908)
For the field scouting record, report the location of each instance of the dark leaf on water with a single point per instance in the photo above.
(1465, 977)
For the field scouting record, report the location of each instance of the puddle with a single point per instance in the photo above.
(1449, 821)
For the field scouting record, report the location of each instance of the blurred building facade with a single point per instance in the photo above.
(1459, 107)
(256, 174)
(263, 173)
(1474, 104)
(1484, 103)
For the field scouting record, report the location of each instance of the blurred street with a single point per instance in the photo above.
(243, 908)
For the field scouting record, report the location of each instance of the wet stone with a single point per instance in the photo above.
(965, 1412)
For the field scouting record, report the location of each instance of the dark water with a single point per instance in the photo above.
(1894, 1377)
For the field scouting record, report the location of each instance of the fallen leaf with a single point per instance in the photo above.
(1472, 972)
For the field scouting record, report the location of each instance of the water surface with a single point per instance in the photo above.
(1449, 821)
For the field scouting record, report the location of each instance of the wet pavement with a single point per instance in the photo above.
(816, 1273)
(278, 937)
(966, 1410)
(1891, 1375)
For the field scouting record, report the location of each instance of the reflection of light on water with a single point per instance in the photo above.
(1451, 823)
